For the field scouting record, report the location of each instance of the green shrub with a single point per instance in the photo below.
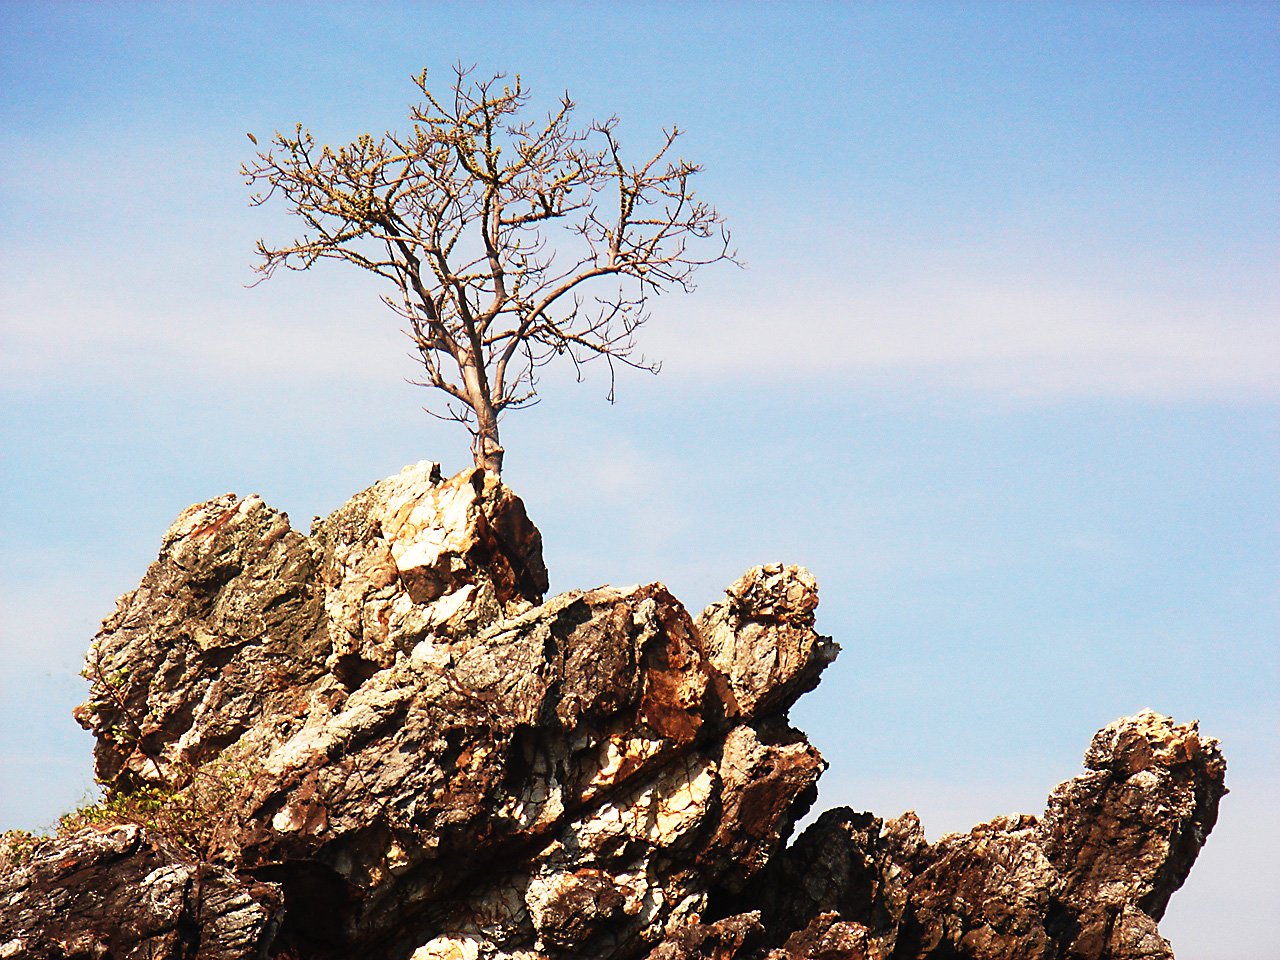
(189, 816)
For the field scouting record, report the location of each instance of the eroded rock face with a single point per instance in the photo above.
(122, 893)
(582, 742)
(413, 756)
(243, 621)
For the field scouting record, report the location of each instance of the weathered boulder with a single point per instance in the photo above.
(377, 740)
(760, 637)
(414, 556)
(1125, 835)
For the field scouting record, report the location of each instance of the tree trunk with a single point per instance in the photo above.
(485, 448)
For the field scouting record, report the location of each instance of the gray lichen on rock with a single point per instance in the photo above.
(379, 740)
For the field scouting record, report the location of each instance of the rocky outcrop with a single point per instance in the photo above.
(242, 618)
(377, 740)
(1088, 879)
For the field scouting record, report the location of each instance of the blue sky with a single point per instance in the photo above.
(1003, 368)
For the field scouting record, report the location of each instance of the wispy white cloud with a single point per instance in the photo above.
(53, 330)
(1017, 337)
(141, 268)
(1013, 337)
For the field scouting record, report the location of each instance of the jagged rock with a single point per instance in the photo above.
(828, 937)
(1125, 834)
(985, 894)
(725, 939)
(761, 637)
(225, 627)
(1144, 770)
(1087, 881)
(510, 746)
(414, 556)
(241, 618)
(843, 866)
(125, 894)
(377, 740)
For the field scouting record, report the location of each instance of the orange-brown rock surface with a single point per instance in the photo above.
(378, 741)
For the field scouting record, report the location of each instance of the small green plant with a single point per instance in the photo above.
(189, 816)
(16, 846)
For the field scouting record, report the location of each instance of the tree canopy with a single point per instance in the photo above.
(508, 239)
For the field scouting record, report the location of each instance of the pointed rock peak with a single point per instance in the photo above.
(442, 535)
(761, 637)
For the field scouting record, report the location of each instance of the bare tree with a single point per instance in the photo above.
(491, 227)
